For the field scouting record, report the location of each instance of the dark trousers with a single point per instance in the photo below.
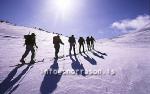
(28, 49)
(72, 46)
(57, 47)
(92, 45)
(88, 46)
(81, 45)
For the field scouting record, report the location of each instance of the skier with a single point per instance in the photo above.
(30, 42)
(81, 42)
(72, 42)
(88, 43)
(57, 41)
(92, 40)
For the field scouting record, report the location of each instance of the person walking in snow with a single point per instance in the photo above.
(81, 42)
(30, 43)
(57, 41)
(92, 40)
(72, 42)
(88, 43)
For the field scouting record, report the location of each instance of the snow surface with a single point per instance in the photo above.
(125, 67)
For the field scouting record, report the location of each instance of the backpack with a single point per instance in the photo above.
(29, 40)
(71, 40)
(56, 40)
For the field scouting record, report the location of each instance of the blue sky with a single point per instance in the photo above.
(79, 17)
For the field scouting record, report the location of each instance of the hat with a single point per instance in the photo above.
(33, 34)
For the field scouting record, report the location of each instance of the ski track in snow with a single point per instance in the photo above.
(129, 61)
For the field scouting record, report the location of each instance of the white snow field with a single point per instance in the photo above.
(123, 69)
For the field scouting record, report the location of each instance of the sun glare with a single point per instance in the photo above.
(61, 8)
(64, 5)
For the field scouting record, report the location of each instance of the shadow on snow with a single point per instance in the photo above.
(89, 59)
(10, 84)
(77, 66)
(51, 78)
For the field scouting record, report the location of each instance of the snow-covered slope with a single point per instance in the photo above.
(123, 69)
(141, 37)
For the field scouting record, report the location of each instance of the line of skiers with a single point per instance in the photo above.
(30, 42)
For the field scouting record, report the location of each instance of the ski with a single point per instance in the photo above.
(22, 64)
(51, 59)
(59, 58)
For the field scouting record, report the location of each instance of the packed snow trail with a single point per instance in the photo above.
(124, 66)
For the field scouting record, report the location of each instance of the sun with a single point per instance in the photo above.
(61, 9)
(64, 6)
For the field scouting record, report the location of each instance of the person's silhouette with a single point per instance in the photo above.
(30, 42)
(81, 42)
(88, 43)
(57, 41)
(72, 42)
(92, 40)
